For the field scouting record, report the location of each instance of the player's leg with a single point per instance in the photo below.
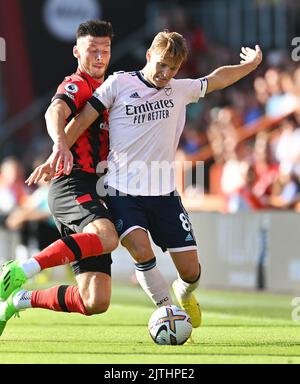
(63, 251)
(189, 272)
(59, 298)
(93, 275)
(171, 229)
(76, 213)
(147, 273)
(95, 291)
(91, 296)
(131, 222)
(92, 240)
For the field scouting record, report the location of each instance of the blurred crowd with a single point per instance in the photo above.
(254, 141)
(24, 211)
(249, 134)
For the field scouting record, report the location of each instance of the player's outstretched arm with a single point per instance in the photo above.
(80, 123)
(228, 75)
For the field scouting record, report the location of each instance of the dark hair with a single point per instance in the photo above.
(96, 28)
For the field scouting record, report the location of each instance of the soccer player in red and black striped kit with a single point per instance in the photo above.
(88, 234)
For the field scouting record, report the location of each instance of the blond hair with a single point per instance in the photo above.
(170, 44)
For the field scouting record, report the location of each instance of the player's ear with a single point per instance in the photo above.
(148, 55)
(76, 52)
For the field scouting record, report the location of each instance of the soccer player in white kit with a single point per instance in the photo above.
(147, 112)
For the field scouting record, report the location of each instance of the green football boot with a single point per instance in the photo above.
(7, 310)
(12, 277)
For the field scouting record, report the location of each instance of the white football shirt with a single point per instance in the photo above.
(145, 125)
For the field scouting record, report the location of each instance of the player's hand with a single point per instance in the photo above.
(251, 56)
(43, 171)
(61, 157)
(15, 220)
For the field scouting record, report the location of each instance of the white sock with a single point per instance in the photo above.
(153, 283)
(30, 267)
(22, 300)
(185, 289)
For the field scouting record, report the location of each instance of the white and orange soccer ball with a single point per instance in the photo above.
(170, 325)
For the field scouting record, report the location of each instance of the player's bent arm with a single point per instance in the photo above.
(80, 123)
(225, 76)
(56, 116)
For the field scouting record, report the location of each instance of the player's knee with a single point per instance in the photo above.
(96, 306)
(191, 275)
(107, 234)
(111, 243)
(142, 254)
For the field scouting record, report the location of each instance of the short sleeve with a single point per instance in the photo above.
(73, 92)
(193, 89)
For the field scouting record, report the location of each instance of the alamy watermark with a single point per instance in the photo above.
(150, 178)
(296, 309)
(296, 51)
(2, 49)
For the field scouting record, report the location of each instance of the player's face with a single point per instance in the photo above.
(161, 69)
(93, 54)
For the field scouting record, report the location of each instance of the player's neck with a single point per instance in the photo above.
(145, 75)
(86, 73)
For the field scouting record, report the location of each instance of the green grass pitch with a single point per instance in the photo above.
(237, 328)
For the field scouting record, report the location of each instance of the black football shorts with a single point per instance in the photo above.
(74, 203)
(164, 217)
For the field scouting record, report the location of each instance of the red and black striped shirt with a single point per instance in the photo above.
(92, 146)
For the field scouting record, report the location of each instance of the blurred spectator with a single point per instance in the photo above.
(287, 146)
(192, 140)
(289, 191)
(12, 187)
(244, 199)
(253, 109)
(273, 105)
(266, 168)
(261, 91)
(281, 90)
(235, 169)
(33, 218)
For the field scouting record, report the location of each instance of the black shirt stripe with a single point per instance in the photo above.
(69, 102)
(96, 104)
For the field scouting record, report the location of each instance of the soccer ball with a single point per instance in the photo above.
(170, 325)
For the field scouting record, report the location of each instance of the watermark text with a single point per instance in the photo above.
(150, 178)
(2, 49)
(296, 50)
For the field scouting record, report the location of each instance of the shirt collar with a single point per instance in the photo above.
(94, 83)
(146, 82)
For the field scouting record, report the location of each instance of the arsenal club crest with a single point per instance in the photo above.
(168, 90)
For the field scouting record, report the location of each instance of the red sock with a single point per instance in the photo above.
(70, 248)
(62, 298)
